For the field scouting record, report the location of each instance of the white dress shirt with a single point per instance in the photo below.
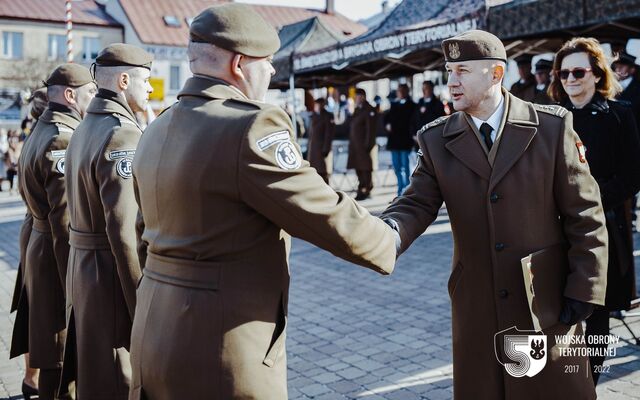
(494, 120)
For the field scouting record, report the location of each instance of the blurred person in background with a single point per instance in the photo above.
(543, 79)
(320, 140)
(586, 86)
(428, 109)
(525, 88)
(362, 143)
(400, 136)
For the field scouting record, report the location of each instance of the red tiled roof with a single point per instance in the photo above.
(146, 17)
(83, 12)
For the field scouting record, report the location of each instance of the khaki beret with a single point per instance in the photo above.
(120, 54)
(72, 75)
(237, 28)
(473, 45)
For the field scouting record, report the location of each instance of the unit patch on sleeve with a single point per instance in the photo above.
(116, 154)
(287, 156)
(124, 162)
(272, 139)
(59, 163)
(582, 152)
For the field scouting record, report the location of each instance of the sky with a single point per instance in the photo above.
(354, 9)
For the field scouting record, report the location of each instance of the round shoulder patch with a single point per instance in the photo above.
(287, 156)
(124, 167)
(60, 166)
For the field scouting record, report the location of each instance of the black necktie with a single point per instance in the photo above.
(486, 129)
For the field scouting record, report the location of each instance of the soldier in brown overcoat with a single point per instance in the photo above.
(515, 182)
(103, 263)
(525, 87)
(362, 143)
(40, 322)
(320, 139)
(211, 317)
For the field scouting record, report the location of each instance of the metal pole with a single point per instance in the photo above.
(69, 31)
(292, 88)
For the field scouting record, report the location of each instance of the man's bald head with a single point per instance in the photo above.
(208, 59)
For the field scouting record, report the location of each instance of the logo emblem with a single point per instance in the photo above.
(287, 156)
(454, 51)
(582, 152)
(60, 166)
(522, 353)
(124, 167)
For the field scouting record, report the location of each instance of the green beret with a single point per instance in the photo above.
(72, 75)
(473, 45)
(237, 28)
(120, 54)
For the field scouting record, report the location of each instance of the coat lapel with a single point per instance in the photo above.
(466, 147)
(518, 133)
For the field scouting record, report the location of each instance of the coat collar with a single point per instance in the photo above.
(519, 130)
(104, 103)
(597, 103)
(211, 88)
(59, 115)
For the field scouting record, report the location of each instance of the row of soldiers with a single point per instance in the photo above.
(75, 292)
(203, 202)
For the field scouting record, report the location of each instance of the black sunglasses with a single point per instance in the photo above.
(577, 73)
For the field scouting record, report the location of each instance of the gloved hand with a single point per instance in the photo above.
(575, 311)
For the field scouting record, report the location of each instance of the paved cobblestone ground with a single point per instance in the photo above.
(352, 333)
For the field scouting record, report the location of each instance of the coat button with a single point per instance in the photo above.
(494, 198)
(503, 293)
(499, 246)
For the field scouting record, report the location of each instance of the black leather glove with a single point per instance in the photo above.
(575, 311)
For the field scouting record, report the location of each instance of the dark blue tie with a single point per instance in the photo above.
(486, 129)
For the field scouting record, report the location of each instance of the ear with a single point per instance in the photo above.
(70, 95)
(124, 80)
(498, 72)
(236, 68)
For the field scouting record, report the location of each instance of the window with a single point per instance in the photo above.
(12, 45)
(172, 21)
(174, 78)
(90, 48)
(57, 47)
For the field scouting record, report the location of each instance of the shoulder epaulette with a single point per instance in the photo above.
(435, 122)
(558, 111)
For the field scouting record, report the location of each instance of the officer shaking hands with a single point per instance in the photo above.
(211, 315)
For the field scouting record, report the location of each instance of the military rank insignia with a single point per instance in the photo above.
(582, 152)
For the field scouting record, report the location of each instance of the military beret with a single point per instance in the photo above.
(543, 65)
(473, 45)
(626, 58)
(237, 28)
(120, 54)
(524, 59)
(72, 75)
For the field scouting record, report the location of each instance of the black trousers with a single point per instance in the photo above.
(364, 181)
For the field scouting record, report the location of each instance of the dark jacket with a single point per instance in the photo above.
(399, 116)
(525, 90)
(631, 95)
(426, 112)
(609, 134)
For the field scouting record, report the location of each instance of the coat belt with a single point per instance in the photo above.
(88, 240)
(41, 225)
(182, 272)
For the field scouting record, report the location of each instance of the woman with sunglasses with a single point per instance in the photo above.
(585, 85)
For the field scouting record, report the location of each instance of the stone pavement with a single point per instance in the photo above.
(352, 333)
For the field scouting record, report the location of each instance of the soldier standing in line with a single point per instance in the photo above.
(40, 322)
(211, 316)
(362, 143)
(320, 140)
(103, 263)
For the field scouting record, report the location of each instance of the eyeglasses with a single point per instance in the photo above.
(577, 73)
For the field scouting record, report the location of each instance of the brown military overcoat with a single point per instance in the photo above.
(219, 201)
(103, 263)
(320, 140)
(538, 194)
(363, 154)
(42, 297)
